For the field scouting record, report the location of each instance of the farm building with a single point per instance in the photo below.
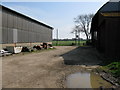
(21, 30)
(105, 29)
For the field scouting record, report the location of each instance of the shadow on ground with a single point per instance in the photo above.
(82, 56)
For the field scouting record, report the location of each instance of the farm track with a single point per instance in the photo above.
(46, 69)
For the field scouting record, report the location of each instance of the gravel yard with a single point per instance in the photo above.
(46, 69)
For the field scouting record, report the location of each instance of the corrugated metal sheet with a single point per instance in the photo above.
(18, 23)
(15, 35)
(27, 30)
(0, 35)
(19, 36)
(32, 26)
(10, 20)
(30, 36)
(4, 19)
(24, 24)
(27, 25)
(10, 35)
(4, 35)
(33, 37)
(15, 21)
(26, 36)
(0, 25)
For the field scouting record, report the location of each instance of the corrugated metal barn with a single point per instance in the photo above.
(18, 28)
(105, 29)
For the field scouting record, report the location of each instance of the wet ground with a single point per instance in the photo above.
(47, 69)
(85, 79)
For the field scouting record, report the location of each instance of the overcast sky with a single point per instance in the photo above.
(59, 15)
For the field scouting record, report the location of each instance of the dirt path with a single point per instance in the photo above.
(45, 69)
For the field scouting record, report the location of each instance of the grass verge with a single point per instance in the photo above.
(113, 68)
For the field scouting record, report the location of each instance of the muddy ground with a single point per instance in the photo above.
(46, 69)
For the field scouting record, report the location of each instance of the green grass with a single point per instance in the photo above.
(65, 43)
(113, 68)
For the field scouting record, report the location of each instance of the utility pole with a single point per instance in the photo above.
(57, 37)
(79, 38)
(76, 37)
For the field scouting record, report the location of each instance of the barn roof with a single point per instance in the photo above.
(34, 20)
(110, 7)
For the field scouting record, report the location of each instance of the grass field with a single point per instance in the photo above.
(66, 43)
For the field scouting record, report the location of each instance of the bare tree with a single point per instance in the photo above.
(84, 22)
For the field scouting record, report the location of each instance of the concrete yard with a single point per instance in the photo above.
(46, 69)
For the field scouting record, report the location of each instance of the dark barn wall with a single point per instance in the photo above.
(112, 37)
(106, 23)
(108, 37)
(101, 37)
(18, 28)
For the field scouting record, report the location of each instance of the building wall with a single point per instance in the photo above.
(0, 27)
(101, 37)
(113, 37)
(19, 29)
(106, 23)
(108, 37)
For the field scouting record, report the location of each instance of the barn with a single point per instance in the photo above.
(21, 30)
(105, 29)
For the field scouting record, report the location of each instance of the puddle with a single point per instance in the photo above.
(86, 80)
